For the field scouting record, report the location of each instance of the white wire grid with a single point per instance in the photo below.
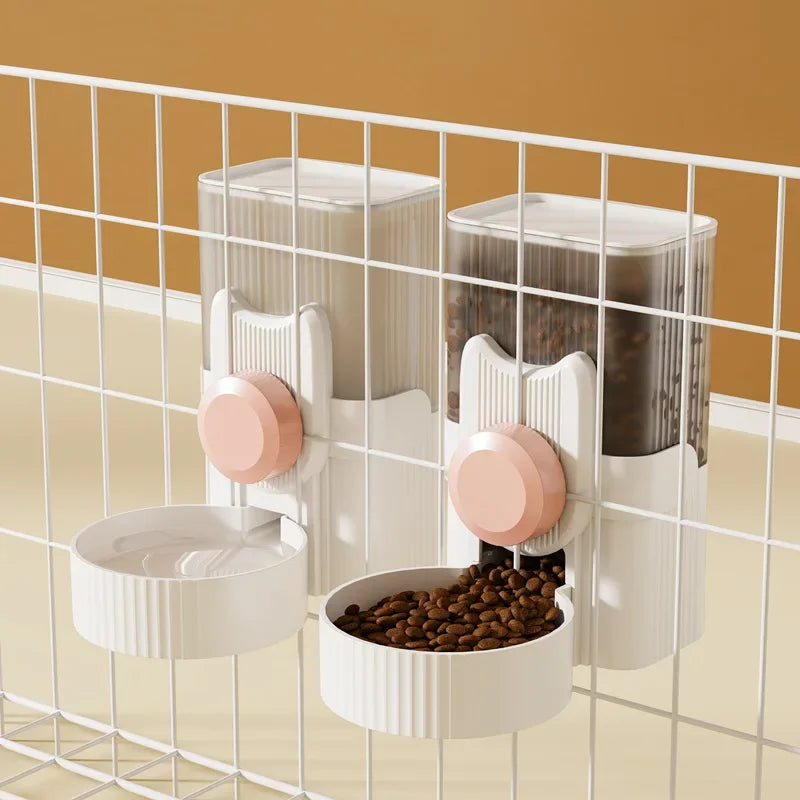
(233, 772)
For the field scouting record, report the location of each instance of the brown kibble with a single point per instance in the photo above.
(515, 626)
(515, 581)
(370, 627)
(504, 615)
(544, 575)
(532, 628)
(499, 631)
(500, 606)
(458, 630)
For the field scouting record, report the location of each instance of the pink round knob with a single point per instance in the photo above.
(507, 484)
(250, 426)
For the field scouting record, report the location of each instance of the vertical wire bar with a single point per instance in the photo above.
(767, 555)
(162, 283)
(442, 360)
(442, 400)
(519, 410)
(367, 392)
(236, 747)
(301, 748)
(688, 292)
(2, 699)
(598, 478)
(101, 345)
(48, 520)
(226, 186)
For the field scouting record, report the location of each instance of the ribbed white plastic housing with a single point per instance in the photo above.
(439, 695)
(189, 581)
(404, 230)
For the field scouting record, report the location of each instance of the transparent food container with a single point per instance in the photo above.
(645, 265)
(404, 230)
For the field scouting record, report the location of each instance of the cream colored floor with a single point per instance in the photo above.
(718, 680)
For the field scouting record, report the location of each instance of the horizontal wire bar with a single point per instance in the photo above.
(391, 120)
(287, 789)
(693, 721)
(211, 786)
(88, 387)
(607, 504)
(29, 537)
(714, 322)
(32, 724)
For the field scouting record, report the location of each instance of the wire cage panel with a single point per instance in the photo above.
(108, 777)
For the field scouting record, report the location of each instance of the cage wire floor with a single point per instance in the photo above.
(718, 676)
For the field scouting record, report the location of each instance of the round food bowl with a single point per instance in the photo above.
(439, 695)
(189, 581)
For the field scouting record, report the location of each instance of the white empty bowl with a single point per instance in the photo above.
(189, 581)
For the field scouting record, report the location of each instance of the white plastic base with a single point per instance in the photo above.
(402, 502)
(189, 581)
(636, 570)
(440, 695)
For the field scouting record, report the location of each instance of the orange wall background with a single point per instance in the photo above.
(698, 75)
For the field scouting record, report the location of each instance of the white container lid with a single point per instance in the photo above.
(327, 182)
(574, 222)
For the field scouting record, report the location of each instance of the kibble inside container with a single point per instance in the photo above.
(403, 230)
(645, 265)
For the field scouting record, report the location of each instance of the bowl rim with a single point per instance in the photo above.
(563, 596)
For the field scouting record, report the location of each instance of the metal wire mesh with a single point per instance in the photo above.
(233, 772)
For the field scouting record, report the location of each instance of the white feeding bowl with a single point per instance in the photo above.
(189, 581)
(439, 695)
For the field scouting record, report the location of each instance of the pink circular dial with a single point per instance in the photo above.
(250, 426)
(507, 484)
